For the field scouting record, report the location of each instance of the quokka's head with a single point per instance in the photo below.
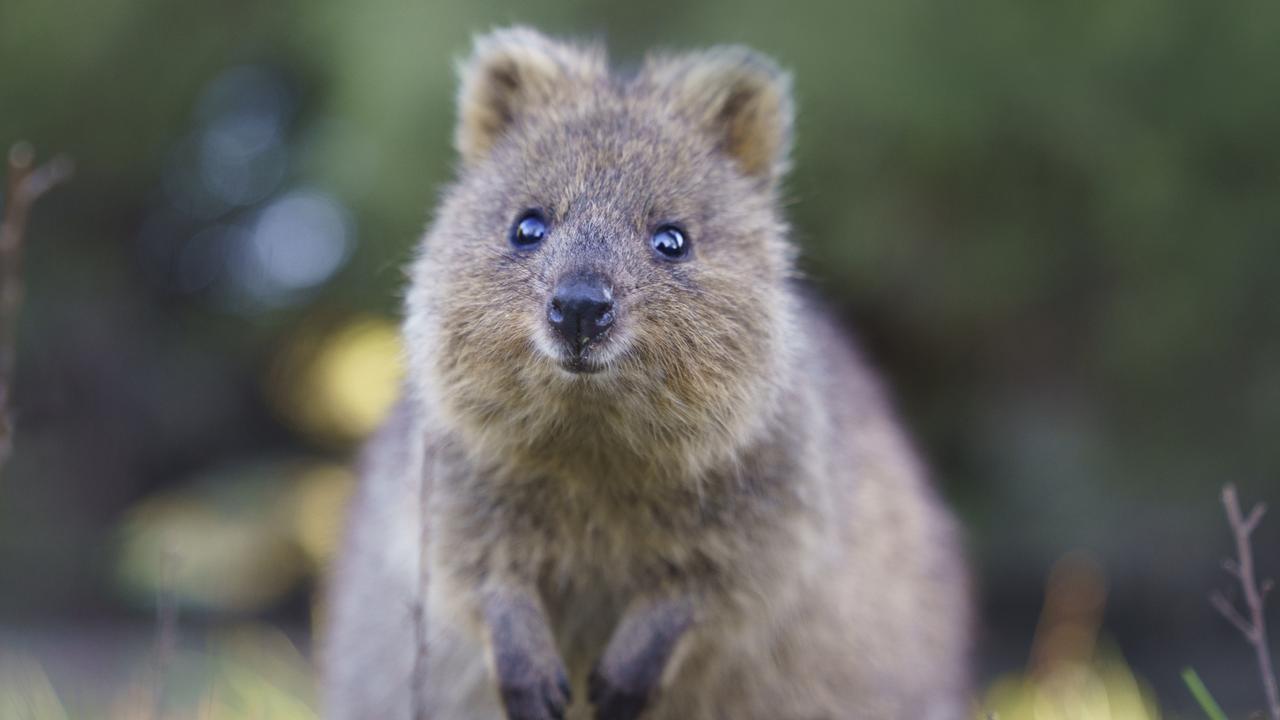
(608, 235)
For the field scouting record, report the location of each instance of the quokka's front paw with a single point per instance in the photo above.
(616, 698)
(530, 675)
(530, 693)
(627, 676)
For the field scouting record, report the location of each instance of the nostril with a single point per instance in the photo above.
(605, 319)
(581, 309)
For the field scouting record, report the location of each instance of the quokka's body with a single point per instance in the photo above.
(635, 470)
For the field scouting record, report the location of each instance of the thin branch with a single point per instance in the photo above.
(1254, 629)
(1228, 611)
(25, 183)
(1255, 517)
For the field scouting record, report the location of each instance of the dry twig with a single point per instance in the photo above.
(1253, 627)
(25, 184)
(166, 637)
(420, 660)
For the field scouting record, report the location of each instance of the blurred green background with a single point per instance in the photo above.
(1056, 227)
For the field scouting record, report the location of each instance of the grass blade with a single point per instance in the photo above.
(1202, 695)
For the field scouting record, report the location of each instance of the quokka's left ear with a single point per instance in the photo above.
(510, 72)
(740, 97)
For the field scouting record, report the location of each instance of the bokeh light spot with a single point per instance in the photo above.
(336, 385)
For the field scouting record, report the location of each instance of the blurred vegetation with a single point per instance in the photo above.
(1056, 226)
(249, 673)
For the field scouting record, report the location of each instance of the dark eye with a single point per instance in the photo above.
(670, 242)
(529, 230)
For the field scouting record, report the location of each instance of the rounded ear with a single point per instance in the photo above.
(509, 71)
(740, 97)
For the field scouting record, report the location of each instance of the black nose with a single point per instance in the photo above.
(581, 309)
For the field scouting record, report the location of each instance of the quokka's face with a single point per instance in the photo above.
(608, 238)
(607, 229)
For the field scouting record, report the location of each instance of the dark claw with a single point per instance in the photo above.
(595, 687)
(566, 689)
(556, 706)
(541, 701)
(612, 702)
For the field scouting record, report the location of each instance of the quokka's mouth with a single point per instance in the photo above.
(579, 365)
(585, 358)
(596, 357)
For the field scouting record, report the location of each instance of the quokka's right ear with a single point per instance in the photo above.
(510, 71)
(741, 98)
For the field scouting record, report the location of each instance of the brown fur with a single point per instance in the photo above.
(725, 521)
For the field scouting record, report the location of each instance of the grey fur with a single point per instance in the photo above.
(730, 492)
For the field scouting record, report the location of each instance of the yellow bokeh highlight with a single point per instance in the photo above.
(1102, 690)
(237, 540)
(338, 383)
(189, 548)
(319, 500)
(1073, 673)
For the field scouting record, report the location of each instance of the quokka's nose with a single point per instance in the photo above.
(581, 308)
